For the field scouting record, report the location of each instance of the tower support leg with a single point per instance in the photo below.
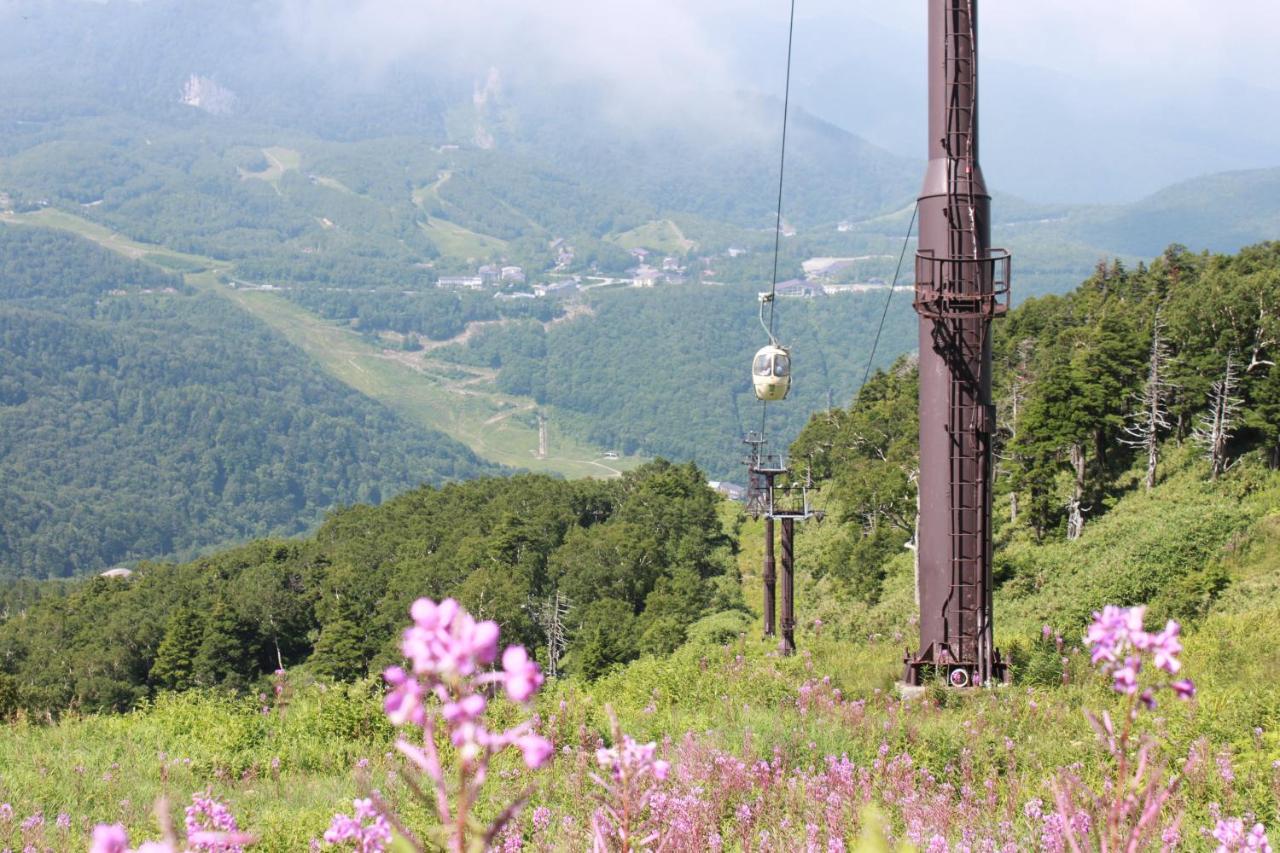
(788, 588)
(770, 579)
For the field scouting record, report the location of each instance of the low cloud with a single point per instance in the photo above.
(1176, 39)
(640, 52)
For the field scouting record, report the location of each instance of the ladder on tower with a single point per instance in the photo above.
(964, 286)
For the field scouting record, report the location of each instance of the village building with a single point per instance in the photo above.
(553, 288)
(797, 289)
(732, 491)
(646, 276)
(460, 282)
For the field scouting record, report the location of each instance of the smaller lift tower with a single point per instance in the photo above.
(770, 496)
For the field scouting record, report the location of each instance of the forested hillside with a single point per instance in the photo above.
(141, 418)
(633, 563)
(1101, 394)
(636, 562)
(668, 373)
(433, 314)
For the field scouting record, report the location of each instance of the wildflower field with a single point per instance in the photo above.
(751, 751)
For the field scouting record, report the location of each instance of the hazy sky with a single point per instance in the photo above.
(1183, 87)
(1228, 38)
(1232, 38)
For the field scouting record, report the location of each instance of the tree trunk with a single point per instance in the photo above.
(1075, 516)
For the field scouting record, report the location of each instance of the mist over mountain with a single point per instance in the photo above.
(676, 84)
(1080, 103)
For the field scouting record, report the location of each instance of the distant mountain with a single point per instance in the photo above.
(724, 170)
(1221, 213)
(142, 418)
(225, 71)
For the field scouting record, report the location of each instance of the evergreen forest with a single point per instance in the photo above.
(141, 417)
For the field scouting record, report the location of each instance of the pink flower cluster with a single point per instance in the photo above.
(1119, 643)
(211, 826)
(624, 820)
(367, 830)
(1231, 836)
(632, 760)
(209, 823)
(447, 649)
(450, 654)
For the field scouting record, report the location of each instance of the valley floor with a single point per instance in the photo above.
(498, 427)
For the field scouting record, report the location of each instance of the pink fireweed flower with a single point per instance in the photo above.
(632, 759)
(1116, 635)
(629, 789)
(523, 677)
(1167, 647)
(535, 749)
(367, 831)
(451, 657)
(470, 738)
(1126, 677)
(109, 838)
(404, 703)
(466, 709)
(211, 840)
(448, 642)
(211, 826)
(1108, 631)
(1231, 836)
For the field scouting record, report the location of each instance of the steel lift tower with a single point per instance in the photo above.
(786, 504)
(961, 285)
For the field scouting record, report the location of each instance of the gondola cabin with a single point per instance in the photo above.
(771, 373)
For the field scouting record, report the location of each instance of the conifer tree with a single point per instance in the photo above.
(174, 666)
(340, 650)
(223, 657)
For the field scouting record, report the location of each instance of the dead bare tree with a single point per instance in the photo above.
(1151, 416)
(549, 614)
(1217, 424)
(1075, 506)
(1017, 396)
